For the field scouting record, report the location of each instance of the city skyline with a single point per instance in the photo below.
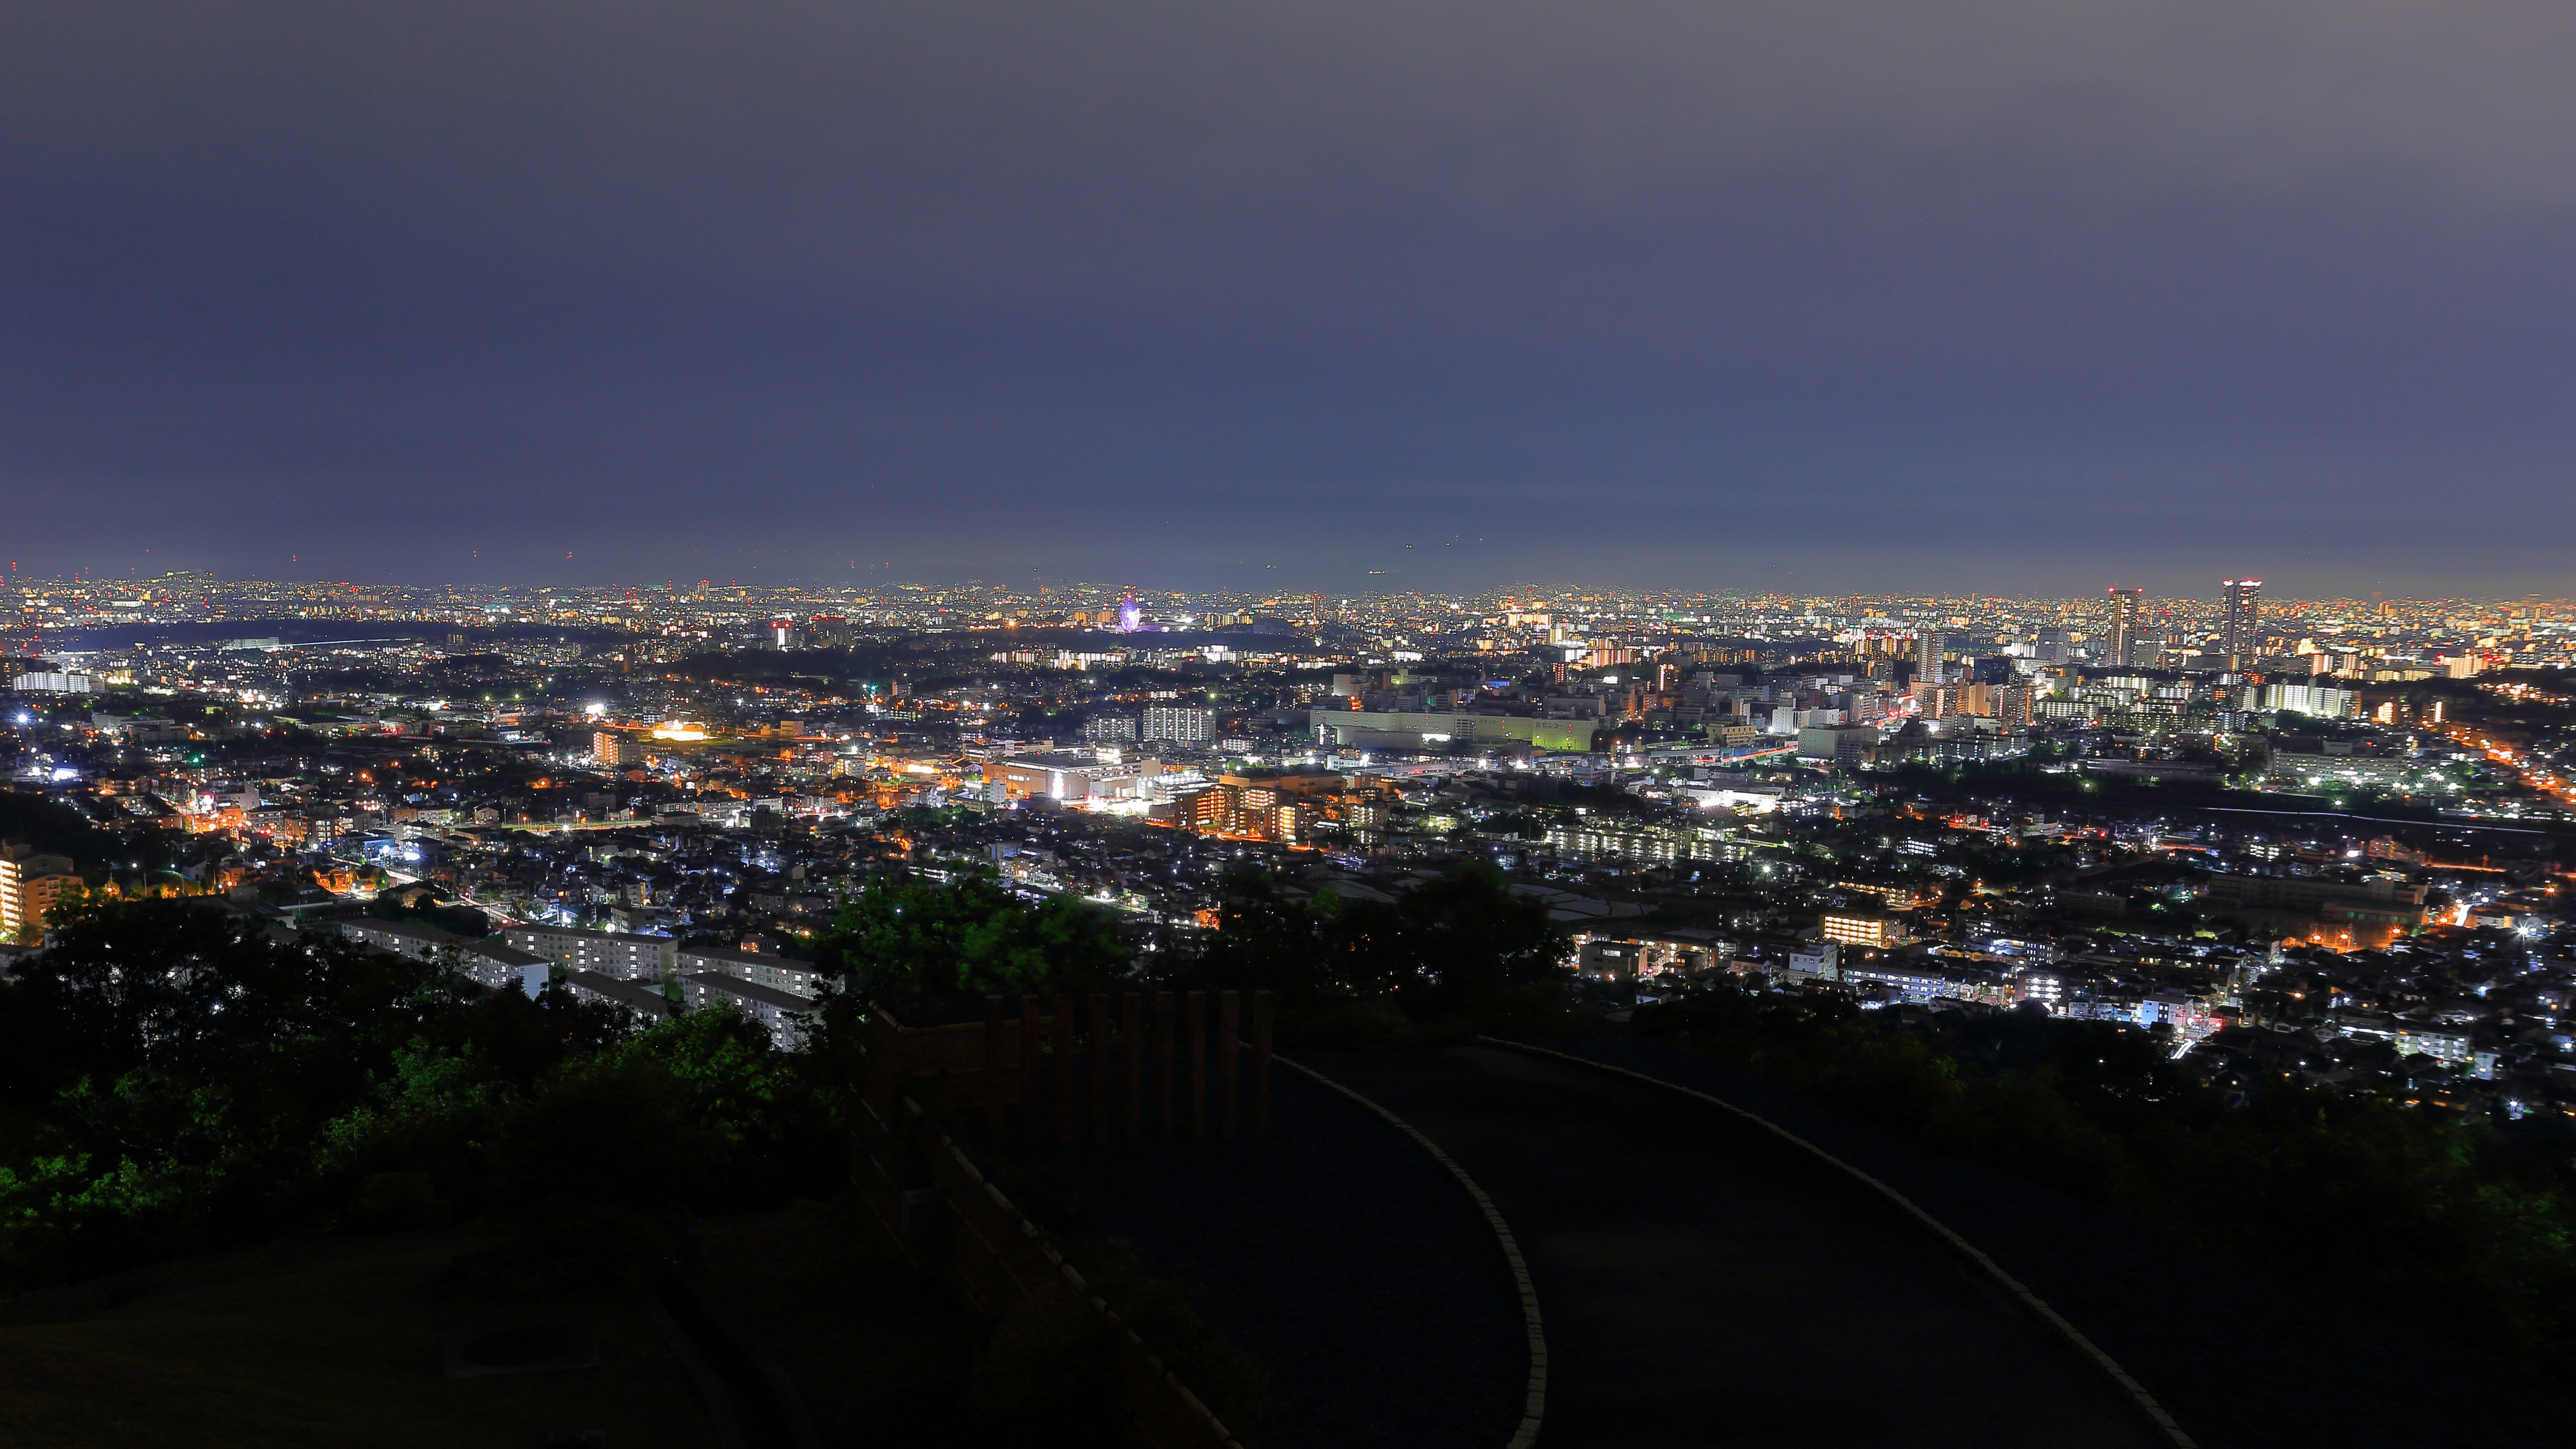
(114, 631)
(2106, 599)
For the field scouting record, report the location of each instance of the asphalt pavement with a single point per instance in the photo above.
(1344, 1259)
(2244, 1358)
(1704, 1284)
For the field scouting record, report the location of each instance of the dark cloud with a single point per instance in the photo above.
(1992, 294)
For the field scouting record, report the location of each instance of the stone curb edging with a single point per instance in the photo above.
(2030, 1302)
(1526, 1436)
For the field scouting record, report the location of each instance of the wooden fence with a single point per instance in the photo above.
(1096, 1068)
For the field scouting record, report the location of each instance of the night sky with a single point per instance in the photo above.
(1832, 295)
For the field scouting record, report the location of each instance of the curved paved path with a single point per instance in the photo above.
(1703, 1284)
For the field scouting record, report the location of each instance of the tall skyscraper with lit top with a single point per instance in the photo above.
(2124, 624)
(2238, 630)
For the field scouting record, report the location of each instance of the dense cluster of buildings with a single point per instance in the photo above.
(660, 795)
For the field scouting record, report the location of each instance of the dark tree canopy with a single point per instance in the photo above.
(900, 938)
(1451, 946)
(175, 1077)
(48, 825)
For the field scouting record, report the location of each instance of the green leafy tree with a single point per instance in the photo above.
(900, 938)
(177, 1078)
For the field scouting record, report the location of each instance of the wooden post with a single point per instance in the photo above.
(1229, 1036)
(1098, 1061)
(1131, 1048)
(1166, 1006)
(1261, 1064)
(1060, 1075)
(1197, 1002)
(994, 1060)
(1030, 1135)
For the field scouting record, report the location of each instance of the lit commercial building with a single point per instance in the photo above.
(615, 749)
(1838, 744)
(2124, 625)
(2045, 987)
(1608, 957)
(2240, 617)
(1284, 807)
(31, 884)
(1821, 961)
(1067, 775)
(1356, 729)
(2317, 700)
(2186, 1014)
(1920, 983)
(1178, 724)
(2015, 705)
(1235, 806)
(1862, 928)
(1584, 840)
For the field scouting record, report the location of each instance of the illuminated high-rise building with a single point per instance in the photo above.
(2016, 705)
(2237, 626)
(1101, 727)
(2124, 624)
(1927, 655)
(31, 884)
(1178, 724)
(615, 749)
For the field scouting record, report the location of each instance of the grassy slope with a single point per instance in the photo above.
(318, 1344)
